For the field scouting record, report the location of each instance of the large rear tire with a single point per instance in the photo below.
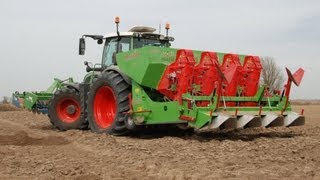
(65, 110)
(108, 100)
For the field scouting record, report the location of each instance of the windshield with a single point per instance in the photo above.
(112, 47)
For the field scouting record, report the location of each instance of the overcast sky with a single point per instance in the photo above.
(39, 39)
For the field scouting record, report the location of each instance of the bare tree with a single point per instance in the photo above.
(272, 75)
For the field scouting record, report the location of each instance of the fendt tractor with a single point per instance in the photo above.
(142, 81)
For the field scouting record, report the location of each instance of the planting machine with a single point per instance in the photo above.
(141, 81)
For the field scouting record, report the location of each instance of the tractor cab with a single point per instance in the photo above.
(136, 37)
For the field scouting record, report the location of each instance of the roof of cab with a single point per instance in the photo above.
(135, 29)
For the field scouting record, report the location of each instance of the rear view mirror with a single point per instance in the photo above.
(100, 41)
(82, 46)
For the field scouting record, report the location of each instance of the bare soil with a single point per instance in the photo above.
(31, 149)
(8, 107)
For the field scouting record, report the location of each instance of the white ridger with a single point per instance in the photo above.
(226, 121)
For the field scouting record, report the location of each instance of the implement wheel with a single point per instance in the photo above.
(107, 103)
(65, 110)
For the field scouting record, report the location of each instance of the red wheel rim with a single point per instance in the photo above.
(104, 107)
(64, 114)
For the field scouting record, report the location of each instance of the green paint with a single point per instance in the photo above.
(161, 112)
(197, 55)
(203, 118)
(153, 71)
(30, 99)
(146, 65)
(220, 57)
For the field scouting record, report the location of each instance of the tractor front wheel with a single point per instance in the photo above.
(108, 101)
(65, 110)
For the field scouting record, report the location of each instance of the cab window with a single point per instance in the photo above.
(140, 42)
(112, 47)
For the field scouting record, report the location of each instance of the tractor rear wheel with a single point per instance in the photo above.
(65, 110)
(108, 100)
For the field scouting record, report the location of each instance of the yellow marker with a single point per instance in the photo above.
(139, 108)
(137, 90)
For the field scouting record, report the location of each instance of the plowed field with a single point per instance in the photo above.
(30, 148)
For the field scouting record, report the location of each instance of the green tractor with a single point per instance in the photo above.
(142, 81)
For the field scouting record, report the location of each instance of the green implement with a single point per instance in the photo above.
(38, 101)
